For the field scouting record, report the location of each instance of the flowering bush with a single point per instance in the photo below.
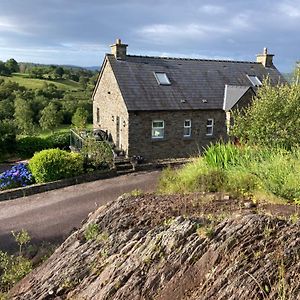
(17, 176)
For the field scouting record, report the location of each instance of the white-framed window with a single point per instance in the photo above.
(209, 126)
(162, 78)
(158, 129)
(254, 80)
(187, 128)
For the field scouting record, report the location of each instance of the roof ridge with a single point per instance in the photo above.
(193, 59)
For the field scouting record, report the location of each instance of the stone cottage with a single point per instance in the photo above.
(160, 107)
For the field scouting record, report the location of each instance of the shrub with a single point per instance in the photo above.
(7, 136)
(196, 176)
(98, 155)
(17, 176)
(28, 145)
(54, 164)
(59, 140)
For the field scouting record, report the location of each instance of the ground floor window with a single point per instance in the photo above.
(158, 129)
(98, 115)
(187, 128)
(210, 127)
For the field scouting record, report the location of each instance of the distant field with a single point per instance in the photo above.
(32, 83)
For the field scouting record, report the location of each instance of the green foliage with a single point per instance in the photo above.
(79, 119)
(51, 118)
(12, 65)
(7, 136)
(22, 238)
(92, 232)
(54, 164)
(242, 172)
(14, 268)
(28, 145)
(59, 140)
(196, 176)
(98, 155)
(23, 116)
(272, 117)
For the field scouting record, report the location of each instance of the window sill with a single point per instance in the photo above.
(158, 140)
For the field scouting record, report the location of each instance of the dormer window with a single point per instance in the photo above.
(254, 80)
(162, 78)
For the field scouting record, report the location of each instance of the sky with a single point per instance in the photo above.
(79, 32)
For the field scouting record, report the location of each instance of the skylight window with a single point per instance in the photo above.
(162, 78)
(254, 80)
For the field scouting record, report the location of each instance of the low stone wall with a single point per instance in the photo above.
(40, 188)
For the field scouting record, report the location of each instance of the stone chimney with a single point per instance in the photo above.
(266, 59)
(119, 50)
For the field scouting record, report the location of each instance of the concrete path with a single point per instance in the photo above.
(52, 215)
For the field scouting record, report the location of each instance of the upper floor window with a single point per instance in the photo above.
(187, 128)
(254, 80)
(209, 126)
(158, 129)
(162, 78)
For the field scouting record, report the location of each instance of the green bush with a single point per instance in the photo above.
(54, 164)
(28, 145)
(98, 155)
(196, 176)
(7, 136)
(59, 140)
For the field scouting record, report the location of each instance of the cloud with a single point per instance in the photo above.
(212, 9)
(290, 10)
(165, 32)
(8, 25)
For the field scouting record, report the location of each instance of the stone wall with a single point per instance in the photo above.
(174, 144)
(108, 99)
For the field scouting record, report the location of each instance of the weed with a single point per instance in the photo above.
(92, 231)
(206, 231)
(136, 193)
(294, 218)
(14, 268)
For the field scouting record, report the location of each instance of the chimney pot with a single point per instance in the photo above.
(265, 59)
(119, 50)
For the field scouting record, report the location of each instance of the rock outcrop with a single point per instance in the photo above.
(149, 249)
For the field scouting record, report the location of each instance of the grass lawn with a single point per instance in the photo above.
(32, 83)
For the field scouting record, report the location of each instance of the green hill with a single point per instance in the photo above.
(32, 83)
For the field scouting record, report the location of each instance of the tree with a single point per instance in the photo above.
(3, 69)
(273, 119)
(50, 117)
(12, 65)
(23, 116)
(79, 119)
(7, 135)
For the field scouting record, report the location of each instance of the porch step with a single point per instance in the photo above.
(123, 166)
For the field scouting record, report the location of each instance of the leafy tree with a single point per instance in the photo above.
(7, 135)
(50, 117)
(3, 69)
(6, 109)
(59, 72)
(23, 116)
(12, 65)
(79, 119)
(273, 119)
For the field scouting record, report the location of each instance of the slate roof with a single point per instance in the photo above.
(195, 83)
(233, 94)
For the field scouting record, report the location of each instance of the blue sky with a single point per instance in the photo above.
(79, 32)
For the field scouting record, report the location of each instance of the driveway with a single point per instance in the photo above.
(51, 216)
